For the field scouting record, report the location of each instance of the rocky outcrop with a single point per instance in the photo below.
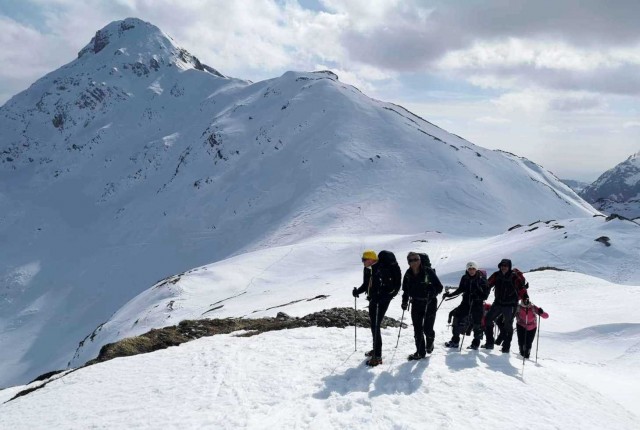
(194, 329)
(97, 43)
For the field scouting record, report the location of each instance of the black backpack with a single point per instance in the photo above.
(390, 275)
(426, 263)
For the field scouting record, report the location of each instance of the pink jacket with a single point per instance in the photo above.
(527, 316)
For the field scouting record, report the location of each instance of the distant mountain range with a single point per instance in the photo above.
(576, 186)
(617, 190)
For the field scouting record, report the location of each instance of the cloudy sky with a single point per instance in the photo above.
(557, 81)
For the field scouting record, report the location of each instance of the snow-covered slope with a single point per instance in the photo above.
(617, 190)
(136, 161)
(586, 377)
(289, 278)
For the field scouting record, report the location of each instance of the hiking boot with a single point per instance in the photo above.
(499, 340)
(505, 350)
(472, 346)
(374, 361)
(526, 353)
(429, 348)
(487, 346)
(415, 356)
(369, 353)
(452, 344)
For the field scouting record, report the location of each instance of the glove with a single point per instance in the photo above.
(355, 292)
(525, 296)
(540, 311)
(404, 306)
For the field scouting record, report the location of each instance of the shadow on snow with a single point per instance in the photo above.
(405, 380)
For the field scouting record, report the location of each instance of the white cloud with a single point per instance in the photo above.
(492, 120)
(534, 53)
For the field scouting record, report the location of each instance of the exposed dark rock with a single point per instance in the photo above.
(46, 376)
(540, 269)
(187, 330)
(97, 43)
(328, 73)
(140, 69)
(604, 239)
(514, 227)
(620, 217)
(124, 26)
(58, 120)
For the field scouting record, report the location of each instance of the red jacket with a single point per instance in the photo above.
(508, 288)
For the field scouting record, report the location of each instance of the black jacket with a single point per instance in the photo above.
(509, 287)
(474, 289)
(380, 284)
(423, 286)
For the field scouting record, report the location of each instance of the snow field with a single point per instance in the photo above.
(312, 378)
(287, 278)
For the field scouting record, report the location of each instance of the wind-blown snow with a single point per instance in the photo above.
(586, 377)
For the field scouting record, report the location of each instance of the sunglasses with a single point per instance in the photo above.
(364, 259)
(412, 260)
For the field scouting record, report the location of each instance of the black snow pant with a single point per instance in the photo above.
(508, 312)
(376, 314)
(499, 324)
(525, 340)
(466, 317)
(423, 316)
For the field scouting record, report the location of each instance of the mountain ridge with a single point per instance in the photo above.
(618, 189)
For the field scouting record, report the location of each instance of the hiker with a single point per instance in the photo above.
(527, 324)
(509, 287)
(421, 285)
(381, 282)
(499, 322)
(474, 290)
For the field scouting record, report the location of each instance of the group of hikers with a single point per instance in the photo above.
(420, 286)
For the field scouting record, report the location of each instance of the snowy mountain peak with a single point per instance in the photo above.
(143, 41)
(618, 189)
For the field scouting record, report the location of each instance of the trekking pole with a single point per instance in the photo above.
(465, 329)
(401, 319)
(441, 302)
(538, 341)
(375, 342)
(355, 324)
(524, 350)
